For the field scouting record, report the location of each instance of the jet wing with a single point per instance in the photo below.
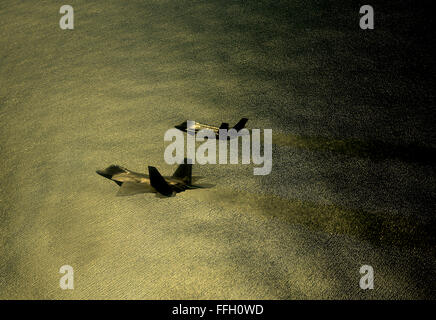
(131, 188)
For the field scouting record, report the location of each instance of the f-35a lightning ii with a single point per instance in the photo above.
(133, 183)
(199, 126)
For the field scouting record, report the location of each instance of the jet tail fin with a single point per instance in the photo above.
(224, 125)
(184, 172)
(158, 182)
(240, 124)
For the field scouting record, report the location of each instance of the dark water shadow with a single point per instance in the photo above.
(375, 150)
(387, 235)
(377, 228)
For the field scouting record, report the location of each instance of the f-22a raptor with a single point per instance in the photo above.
(199, 126)
(133, 183)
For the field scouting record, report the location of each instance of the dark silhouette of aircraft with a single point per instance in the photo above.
(199, 126)
(133, 183)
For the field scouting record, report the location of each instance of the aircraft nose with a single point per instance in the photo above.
(104, 174)
(181, 126)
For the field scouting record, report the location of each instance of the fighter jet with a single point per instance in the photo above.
(133, 183)
(199, 126)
